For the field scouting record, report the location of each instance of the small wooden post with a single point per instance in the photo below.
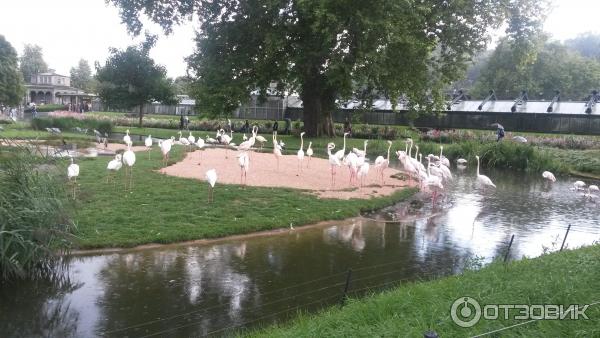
(344, 295)
(508, 250)
(565, 239)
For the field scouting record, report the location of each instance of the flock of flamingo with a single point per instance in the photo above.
(431, 178)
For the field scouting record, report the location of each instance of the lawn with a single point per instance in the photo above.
(565, 278)
(165, 209)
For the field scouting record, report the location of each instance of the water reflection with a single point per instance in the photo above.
(199, 289)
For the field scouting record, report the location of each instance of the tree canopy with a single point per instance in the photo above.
(587, 44)
(32, 61)
(11, 82)
(130, 78)
(556, 67)
(331, 50)
(81, 76)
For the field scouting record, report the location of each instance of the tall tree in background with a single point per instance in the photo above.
(81, 76)
(587, 44)
(327, 50)
(11, 82)
(182, 85)
(32, 61)
(130, 78)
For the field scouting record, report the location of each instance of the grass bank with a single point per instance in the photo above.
(165, 209)
(565, 278)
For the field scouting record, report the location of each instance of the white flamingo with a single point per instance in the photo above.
(351, 160)
(211, 140)
(244, 137)
(342, 152)
(433, 183)
(579, 185)
(333, 162)
(301, 153)
(165, 148)
(276, 149)
(483, 180)
(461, 161)
(211, 178)
(407, 165)
(184, 141)
(72, 174)
(309, 153)
(549, 176)
(363, 172)
(246, 145)
(443, 159)
(148, 144)
(226, 140)
(244, 162)
(593, 187)
(382, 163)
(191, 139)
(114, 165)
(200, 144)
(129, 160)
(127, 138)
(260, 139)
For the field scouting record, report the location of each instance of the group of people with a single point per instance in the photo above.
(11, 112)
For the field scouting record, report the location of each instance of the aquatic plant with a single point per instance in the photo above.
(34, 222)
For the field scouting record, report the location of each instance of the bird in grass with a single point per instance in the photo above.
(165, 148)
(549, 176)
(148, 144)
(211, 178)
(129, 160)
(113, 166)
(72, 174)
(520, 139)
(183, 140)
(261, 140)
(244, 162)
(127, 138)
(200, 144)
(244, 137)
(192, 139)
(483, 180)
(309, 153)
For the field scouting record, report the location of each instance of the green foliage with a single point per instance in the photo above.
(32, 61)
(410, 310)
(131, 78)
(554, 68)
(68, 123)
(11, 82)
(182, 85)
(81, 76)
(47, 108)
(34, 225)
(331, 49)
(587, 44)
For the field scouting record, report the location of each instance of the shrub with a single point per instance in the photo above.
(68, 123)
(48, 108)
(34, 226)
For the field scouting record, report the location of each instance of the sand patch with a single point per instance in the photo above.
(263, 172)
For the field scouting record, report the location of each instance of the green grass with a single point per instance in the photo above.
(566, 278)
(165, 209)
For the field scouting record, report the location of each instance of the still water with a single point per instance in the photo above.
(191, 290)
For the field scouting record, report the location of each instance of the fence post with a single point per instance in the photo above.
(565, 239)
(508, 250)
(344, 296)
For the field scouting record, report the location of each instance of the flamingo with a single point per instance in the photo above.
(191, 139)
(579, 185)
(226, 140)
(246, 145)
(549, 176)
(211, 178)
(165, 148)
(148, 144)
(244, 162)
(260, 139)
(593, 187)
(301, 153)
(72, 174)
(333, 161)
(361, 153)
(114, 165)
(520, 139)
(461, 161)
(443, 159)
(482, 179)
(129, 160)
(433, 183)
(127, 138)
(184, 141)
(341, 153)
(276, 149)
(351, 160)
(381, 164)
(244, 138)
(408, 166)
(211, 140)
(309, 153)
(200, 145)
(363, 172)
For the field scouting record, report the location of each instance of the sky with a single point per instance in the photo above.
(69, 30)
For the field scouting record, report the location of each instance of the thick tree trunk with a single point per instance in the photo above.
(141, 114)
(317, 107)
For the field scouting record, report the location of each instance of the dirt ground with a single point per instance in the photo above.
(315, 177)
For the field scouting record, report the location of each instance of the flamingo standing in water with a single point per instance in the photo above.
(333, 161)
(244, 162)
(72, 174)
(276, 149)
(382, 163)
(549, 176)
(148, 144)
(433, 183)
(309, 153)
(301, 153)
(483, 180)
(211, 178)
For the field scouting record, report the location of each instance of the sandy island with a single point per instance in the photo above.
(263, 172)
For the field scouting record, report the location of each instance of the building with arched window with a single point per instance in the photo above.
(52, 88)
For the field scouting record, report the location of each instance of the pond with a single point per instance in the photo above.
(243, 283)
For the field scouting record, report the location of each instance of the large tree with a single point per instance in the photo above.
(32, 61)
(81, 76)
(130, 78)
(11, 82)
(327, 50)
(587, 44)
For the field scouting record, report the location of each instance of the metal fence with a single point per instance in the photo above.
(150, 108)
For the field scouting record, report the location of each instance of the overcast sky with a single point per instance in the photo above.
(69, 30)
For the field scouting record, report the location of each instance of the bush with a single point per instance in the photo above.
(34, 227)
(68, 123)
(48, 108)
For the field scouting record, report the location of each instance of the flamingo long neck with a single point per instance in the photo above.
(478, 166)
(309, 144)
(416, 151)
(406, 148)
(428, 166)
(301, 142)
(388, 156)
(441, 152)
(421, 158)
(365, 148)
(344, 148)
(410, 150)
